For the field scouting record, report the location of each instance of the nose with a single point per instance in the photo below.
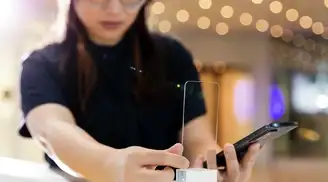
(114, 6)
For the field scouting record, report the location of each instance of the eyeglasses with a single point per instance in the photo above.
(130, 5)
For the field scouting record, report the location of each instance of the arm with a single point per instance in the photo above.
(53, 126)
(198, 138)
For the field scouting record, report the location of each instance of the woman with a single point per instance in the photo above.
(105, 104)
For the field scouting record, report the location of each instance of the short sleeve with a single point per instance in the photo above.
(189, 81)
(38, 85)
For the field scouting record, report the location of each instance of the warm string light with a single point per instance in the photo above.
(318, 28)
(257, 1)
(262, 25)
(276, 31)
(158, 8)
(246, 19)
(326, 3)
(306, 22)
(205, 4)
(164, 26)
(222, 28)
(276, 7)
(183, 16)
(203, 22)
(292, 15)
(152, 22)
(227, 11)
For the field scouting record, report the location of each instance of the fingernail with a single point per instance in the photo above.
(229, 147)
(187, 164)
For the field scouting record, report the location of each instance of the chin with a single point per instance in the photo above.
(113, 36)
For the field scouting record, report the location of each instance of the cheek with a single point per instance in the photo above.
(130, 18)
(87, 16)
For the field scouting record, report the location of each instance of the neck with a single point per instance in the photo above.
(107, 42)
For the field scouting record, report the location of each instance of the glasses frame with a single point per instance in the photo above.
(133, 7)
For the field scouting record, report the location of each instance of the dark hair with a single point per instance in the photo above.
(146, 51)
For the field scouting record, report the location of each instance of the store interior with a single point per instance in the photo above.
(259, 61)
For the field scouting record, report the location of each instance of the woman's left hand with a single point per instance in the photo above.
(236, 172)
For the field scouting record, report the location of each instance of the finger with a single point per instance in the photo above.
(250, 157)
(161, 158)
(165, 175)
(232, 162)
(211, 159)
(176, 149)
(198, 162)
(221, 176)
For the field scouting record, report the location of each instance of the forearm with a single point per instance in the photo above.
(75, 148)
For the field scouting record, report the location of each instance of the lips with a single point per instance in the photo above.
(111, 24)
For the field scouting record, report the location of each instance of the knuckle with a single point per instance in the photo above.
(132, 154)
(165, 158)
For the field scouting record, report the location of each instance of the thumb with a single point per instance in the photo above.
(198, 162)
(176, 149)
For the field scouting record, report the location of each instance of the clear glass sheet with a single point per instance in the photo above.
(195, 92)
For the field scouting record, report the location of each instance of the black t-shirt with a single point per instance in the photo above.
(113, 117)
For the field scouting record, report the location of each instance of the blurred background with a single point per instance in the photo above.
(269, 58)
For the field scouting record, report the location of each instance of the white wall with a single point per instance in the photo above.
(11, 145)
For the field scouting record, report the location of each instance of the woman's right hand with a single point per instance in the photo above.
(137, 164)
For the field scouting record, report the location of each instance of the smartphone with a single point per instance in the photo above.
(263, 135)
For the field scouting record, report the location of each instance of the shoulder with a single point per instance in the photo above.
(47, 55)
(173, 45)
(179, 60)
(178, 56)
(42, 64)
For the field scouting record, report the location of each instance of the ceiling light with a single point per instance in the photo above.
(292, 15)
(183, 16)
(227, 11)
(318, 28)
(276, 7)
(257, 1)
(246, 19)
(158, 8)
(205, 4)
(203, 22)
(306, 22)
(276, 31)
(164, 26)
(262, 25)
(152, 21)
(222, 28)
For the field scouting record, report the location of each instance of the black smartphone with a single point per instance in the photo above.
(263, 135)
